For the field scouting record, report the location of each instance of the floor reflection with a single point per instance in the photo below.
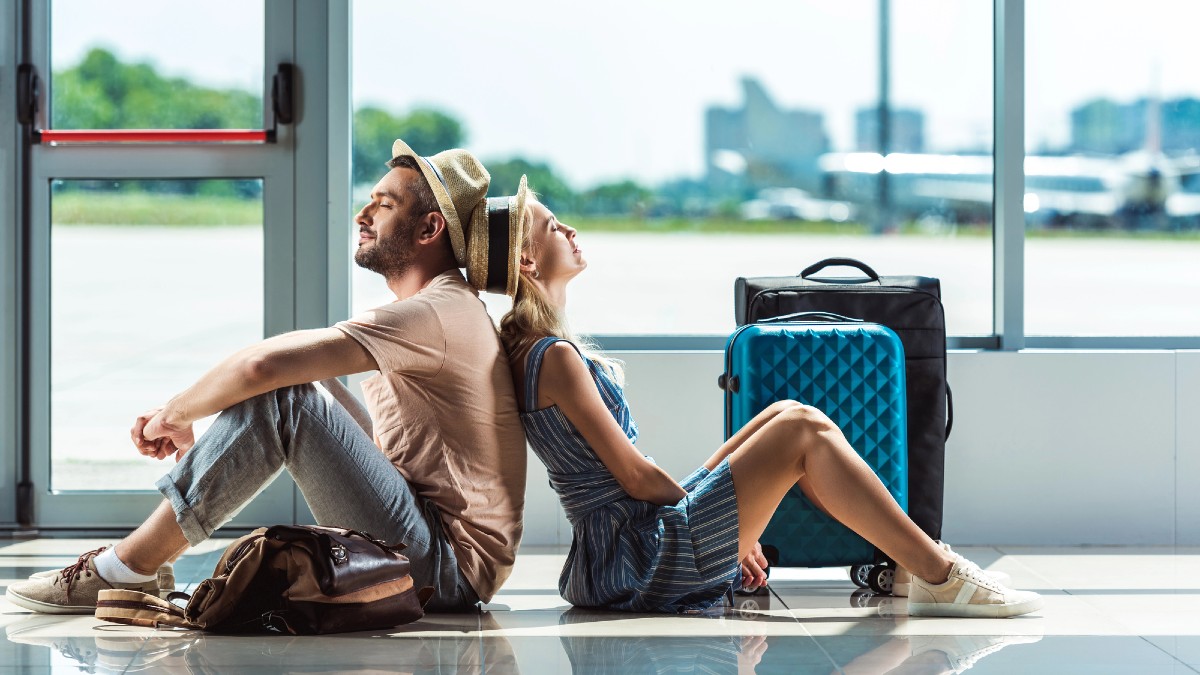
(190, 652)
(479, 644)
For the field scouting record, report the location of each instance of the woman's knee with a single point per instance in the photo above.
(806, 427)
(807, 418)
(783, 406)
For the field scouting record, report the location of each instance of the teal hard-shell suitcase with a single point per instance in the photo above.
(851, 370)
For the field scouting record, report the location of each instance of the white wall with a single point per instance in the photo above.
(1049, 447)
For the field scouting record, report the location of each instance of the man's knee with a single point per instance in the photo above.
(294, 393)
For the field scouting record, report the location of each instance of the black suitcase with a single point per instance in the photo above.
(912, 307)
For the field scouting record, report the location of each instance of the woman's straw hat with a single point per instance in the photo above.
(496, 256)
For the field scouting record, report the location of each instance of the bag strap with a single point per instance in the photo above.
(134, 608)
(949, 410)
(424, 595)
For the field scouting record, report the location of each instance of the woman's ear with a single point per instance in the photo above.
(528, 266)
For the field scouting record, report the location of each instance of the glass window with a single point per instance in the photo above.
(157, 76)
(942, 132)
(1112, 175)
(694, 144)
(137, 313)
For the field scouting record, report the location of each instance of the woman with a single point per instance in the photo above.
(643, 542)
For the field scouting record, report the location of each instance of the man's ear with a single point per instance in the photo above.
(430, 227)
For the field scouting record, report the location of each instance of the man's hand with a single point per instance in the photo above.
(155, 436)
(754, 567)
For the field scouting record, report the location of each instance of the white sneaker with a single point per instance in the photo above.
(903, 577)
(964, 651)
(969, 593)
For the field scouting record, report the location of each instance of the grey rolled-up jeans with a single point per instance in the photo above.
(345, 478)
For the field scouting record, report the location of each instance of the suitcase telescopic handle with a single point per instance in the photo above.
(811, 316)
(840, 262)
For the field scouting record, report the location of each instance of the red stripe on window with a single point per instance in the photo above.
(153, 136)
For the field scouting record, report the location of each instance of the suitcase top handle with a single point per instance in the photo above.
(840, 262)
(812, 316)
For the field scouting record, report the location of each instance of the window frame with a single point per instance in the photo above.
(1008, 225)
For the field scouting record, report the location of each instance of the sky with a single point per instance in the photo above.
(613, 90)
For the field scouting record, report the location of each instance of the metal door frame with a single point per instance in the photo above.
(306, 177)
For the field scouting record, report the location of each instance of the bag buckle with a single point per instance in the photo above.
(339, 554)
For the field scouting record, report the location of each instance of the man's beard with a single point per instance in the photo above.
(389, 256)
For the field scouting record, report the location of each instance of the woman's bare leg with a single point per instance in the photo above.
(735, 441)
(801, 442)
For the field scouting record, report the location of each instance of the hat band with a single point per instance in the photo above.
(498, 227)
(436, 173)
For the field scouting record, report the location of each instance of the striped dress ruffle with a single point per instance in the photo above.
(625, 553)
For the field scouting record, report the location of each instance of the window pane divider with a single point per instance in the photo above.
(1008, 195)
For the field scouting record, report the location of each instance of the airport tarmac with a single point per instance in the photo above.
(138, 313)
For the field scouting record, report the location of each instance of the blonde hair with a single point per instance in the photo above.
(532, 317)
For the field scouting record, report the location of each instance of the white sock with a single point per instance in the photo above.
(114, 571)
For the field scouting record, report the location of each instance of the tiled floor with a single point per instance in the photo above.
(1117, 610)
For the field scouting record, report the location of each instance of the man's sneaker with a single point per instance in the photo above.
(165, 580)
(903, 577)
(969, 592)
(72, 590)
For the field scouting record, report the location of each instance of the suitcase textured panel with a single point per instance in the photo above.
(854, 373)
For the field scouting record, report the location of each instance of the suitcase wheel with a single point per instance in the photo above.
(861, 598)
(880, 579)
(858, 574)
(750, 608)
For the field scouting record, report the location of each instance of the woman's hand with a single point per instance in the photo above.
(754, 566)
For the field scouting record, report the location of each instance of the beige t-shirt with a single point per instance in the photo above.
(445, 414)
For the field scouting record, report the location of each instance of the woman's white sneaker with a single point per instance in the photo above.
(903, 579)
(969, 593)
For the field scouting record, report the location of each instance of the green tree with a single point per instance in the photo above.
(552, 190)
(621, 198)
(101, 92)
(426, 131)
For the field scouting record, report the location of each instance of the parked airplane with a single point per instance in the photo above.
(1140, 190)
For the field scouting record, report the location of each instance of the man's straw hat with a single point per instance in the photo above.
(460, 184)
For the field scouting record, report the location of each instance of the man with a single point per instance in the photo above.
(450, 480)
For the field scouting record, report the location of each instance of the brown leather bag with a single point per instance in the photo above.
(296, 579)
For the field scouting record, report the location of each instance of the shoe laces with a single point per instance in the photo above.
(71, 572)
(85, 657)
(976, 575)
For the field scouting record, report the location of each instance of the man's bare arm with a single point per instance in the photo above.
(281, 361)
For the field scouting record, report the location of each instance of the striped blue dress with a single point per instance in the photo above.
(625, 553)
